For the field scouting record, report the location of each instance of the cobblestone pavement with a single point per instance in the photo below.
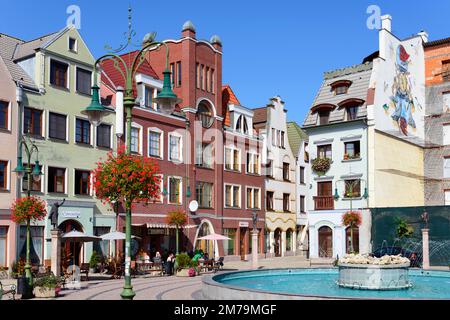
(167, 287)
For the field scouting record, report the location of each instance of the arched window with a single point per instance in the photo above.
(289, 240)
(241, 125)
(325, 242)
(205, 114)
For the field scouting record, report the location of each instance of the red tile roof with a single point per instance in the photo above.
(228, 97)
(260, 115)
(116, 77)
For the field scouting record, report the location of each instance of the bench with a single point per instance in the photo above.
(12, 291)
(85, 269)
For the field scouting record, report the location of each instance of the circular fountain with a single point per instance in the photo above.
(371, 273)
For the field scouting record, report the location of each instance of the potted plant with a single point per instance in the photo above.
(46, 286)
(183, 264)
(93, 262)
(321, 165)
(177, 218)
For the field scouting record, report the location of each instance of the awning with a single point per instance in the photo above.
(168, 226)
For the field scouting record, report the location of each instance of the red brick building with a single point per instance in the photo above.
(189, 147)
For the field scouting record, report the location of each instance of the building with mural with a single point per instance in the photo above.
(368, 120)
(56, 72)
(280, 183)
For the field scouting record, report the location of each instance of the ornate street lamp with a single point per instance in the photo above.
(166, 100)
(35, 173)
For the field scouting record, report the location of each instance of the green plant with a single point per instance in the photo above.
(183, 261)
(18, 268)
(50, 281)
(28, 208)
(321, 165)
(404, 229)
(95, 259)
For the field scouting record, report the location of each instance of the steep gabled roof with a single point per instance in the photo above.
(296, 136)
(29, 48)
(260, 115)
(114, 76)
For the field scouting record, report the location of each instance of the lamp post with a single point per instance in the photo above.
(351, 185)
(254, 240)
(166, 100)
(30, 148)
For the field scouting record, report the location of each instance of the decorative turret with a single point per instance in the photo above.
(216, 42)
(188, 29)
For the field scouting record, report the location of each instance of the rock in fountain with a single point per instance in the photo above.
(371, 273)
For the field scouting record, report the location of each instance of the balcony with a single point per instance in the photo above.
(323, 203)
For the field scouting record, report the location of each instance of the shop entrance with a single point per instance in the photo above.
(277, 245)
(70, 251)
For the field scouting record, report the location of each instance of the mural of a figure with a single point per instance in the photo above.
(402, 99)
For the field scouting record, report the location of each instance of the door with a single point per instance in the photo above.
(325, 242)
(277, 245)
(325, 189)
(242, 243)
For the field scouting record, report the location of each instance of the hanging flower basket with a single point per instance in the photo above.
(32, 208)
(321, 165)
(351, 219)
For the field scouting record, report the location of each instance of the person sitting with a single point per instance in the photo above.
(157, 258)
(146, 258)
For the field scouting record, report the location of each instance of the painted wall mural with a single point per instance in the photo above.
(402, 100)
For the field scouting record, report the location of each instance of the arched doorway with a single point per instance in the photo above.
(355, 239)
(277, 244)
(207, 246)
(325, 242)
(289, 238)
(70, 251)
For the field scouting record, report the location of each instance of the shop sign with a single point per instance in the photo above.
(243, 224)
(156, 231)
(71, 214)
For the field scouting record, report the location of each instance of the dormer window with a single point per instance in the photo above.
(352, 112)
(340, 87)
(323, 113)
(241, 125)
(351, 107)
(324, 117)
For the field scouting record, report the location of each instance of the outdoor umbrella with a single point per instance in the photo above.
(214, 237)
(116, 235)
(77, 236)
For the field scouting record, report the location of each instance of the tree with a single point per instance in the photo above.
(127, 178)
(178, 218)
(351, 219)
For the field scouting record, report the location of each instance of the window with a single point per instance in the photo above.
(324, 151)
(232, 196)
(324, 117)
(286, 171)
(228, 245)
(286, 202)
(447, 167)
(197, 75)
(35, 185)
(149, 92)
(56, 180)
(84, 84)
(352, 188)
(172, 70)
(135, 140)
(282, 139)
(241, 125)
(343, 89)
(253, 165)
(174, 147)
(302, 175)
(211, 81)
(4, 115)
(159, 198)
(83, 131)
(274, 137)
(104, 136)
(58, 74)
(232, 159)
(205, 115)
(253, 198)
(202, 76)
(3, 245)
(269, 168)
(154, 144)
(269, 201)
(36, 244)
(352, 150)
(204, 194)
(179, 73)
(102, 246)
(174, 190)
(446, 71)
(306, 152)
(3, 175)
(446, 130)
(57, 126)
(32, 122)
(82, 182)
(207, 79)
(73, 44)
(278, 138)
(352, 113)
(302, 204)
(204, 155)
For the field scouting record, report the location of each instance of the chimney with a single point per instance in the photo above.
(188, 30)
(424, 36)
(386, 23)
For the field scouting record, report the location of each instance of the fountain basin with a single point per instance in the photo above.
(374, 277)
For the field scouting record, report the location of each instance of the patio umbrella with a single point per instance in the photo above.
(77, 236)
(116, 235)
(214, 237)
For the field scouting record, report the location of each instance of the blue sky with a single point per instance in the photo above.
(270, 47)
